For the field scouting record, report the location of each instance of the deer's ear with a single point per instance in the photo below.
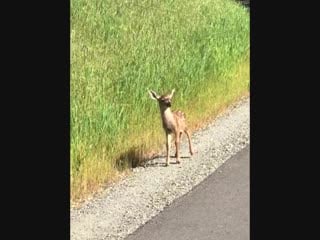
(153, 95)
(172, 92)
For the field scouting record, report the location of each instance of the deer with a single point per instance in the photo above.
(173, 122)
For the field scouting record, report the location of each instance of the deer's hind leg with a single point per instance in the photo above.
(189, 140)
(180, 137)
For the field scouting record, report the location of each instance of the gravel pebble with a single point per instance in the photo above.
(119, 210)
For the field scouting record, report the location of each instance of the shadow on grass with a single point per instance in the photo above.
(133, 158)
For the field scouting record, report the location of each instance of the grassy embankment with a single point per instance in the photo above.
(119, 49)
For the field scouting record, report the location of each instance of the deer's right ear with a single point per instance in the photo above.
(172, 92)
(153, 95)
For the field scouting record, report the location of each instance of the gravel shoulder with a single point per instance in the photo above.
(217, 208)
(130, 203)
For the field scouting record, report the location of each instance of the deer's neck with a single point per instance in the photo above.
(166, 113)
(167, 119)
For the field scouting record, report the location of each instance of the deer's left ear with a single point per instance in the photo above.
(153, 95)
(172, 92)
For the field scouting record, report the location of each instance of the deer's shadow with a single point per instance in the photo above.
(135, 158)
(159, 161)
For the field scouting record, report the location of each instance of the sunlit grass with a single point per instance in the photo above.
(119, 49)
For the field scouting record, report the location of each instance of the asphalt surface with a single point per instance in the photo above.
(218, 208)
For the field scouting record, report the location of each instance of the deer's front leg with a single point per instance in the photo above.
(168, 145)
(180, 135)
(177, 142)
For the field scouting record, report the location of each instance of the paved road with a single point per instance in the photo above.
(216, 209)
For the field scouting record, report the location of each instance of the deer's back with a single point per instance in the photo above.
(180, 118)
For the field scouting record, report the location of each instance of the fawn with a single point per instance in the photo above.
(172, 122)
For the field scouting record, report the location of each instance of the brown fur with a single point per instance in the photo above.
(174, 123)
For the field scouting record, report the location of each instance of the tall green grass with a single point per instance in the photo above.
(119, 49)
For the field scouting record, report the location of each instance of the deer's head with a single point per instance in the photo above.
(164, 100)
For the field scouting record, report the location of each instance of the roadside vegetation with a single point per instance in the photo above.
(120, 49)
